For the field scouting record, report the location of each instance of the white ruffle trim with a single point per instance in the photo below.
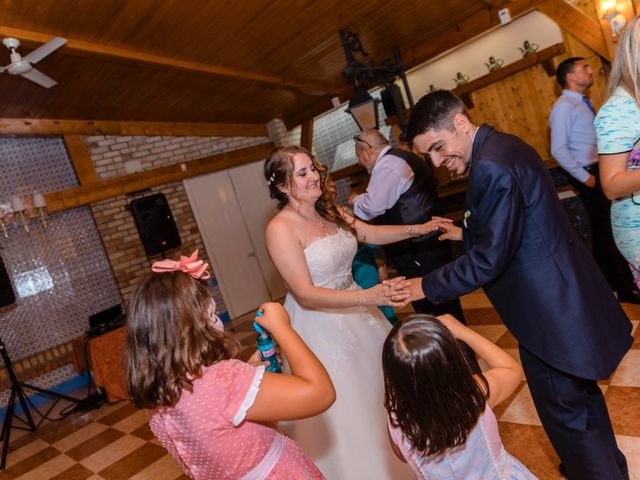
(250, 397)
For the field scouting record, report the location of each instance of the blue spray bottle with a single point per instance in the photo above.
(267, 348)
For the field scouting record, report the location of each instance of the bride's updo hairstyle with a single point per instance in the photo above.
(278, 172)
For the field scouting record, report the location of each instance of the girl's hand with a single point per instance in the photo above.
(453, 324)
(450, 232)
(255, 360)
(274, 317)
(432, 225)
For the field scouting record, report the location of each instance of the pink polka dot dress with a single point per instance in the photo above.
(206, 432)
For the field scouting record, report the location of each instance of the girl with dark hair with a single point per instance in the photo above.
(312, 243)
(440, 417)
(209, 410)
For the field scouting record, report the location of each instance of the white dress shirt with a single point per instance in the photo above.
(391, 176)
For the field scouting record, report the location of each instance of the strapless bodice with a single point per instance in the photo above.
(329, 260)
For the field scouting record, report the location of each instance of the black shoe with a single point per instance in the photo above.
(563, 471)
(632, 296)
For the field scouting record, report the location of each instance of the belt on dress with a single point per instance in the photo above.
(268, 462)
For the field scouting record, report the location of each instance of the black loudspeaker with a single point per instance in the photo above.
(7, 297)
(392, 101)
(155, 223)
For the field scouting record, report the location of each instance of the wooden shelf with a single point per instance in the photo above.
(543, 57)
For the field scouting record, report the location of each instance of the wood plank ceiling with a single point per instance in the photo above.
(223, 61)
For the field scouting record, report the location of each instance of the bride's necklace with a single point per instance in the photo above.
(322, 224)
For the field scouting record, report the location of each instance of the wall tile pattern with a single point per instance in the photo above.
(60, 272)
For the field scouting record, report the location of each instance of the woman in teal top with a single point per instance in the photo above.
(618, 132)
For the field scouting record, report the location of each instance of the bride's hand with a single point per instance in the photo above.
(432, 225)
(392, 292)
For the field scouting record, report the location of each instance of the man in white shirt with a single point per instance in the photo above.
(403, 191)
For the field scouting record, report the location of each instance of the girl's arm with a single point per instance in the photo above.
(385, 234)
(306, 392)
(505, 373)
(287, 255)
(615, 179)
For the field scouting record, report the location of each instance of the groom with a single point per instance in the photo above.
(538, 275)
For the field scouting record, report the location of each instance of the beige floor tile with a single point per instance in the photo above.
(490, 332)
(112, 452)
(49, 469)
(630, 446)
(628, 372)
(164, 469)
(105, 410)
(26, 451)
(79, 436)
(132, 422)
(521, 409)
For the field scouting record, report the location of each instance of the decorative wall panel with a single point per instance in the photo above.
(60, 272)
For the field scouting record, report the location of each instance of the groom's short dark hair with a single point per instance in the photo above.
(434, 111)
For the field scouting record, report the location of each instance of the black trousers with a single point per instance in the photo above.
(417, 263)
(605, 252)
(575, 417)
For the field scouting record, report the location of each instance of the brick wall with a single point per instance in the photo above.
(113, 218)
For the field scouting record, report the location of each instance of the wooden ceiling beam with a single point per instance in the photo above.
(43, 126)
(81, 159)
(577, 23)
(93, 50)
(96, 192)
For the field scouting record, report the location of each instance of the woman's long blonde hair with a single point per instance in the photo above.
(625, 70)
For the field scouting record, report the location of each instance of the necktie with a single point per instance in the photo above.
(588, 103)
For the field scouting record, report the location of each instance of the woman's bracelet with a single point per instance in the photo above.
(411, 231)
(360, 298)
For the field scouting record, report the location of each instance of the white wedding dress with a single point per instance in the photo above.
(349, 441)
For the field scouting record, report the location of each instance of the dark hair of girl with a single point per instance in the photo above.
(431, 393)
(171, 337)
(278, 171)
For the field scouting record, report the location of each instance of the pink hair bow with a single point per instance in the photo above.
(190, 265)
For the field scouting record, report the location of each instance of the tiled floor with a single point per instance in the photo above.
(115, 443)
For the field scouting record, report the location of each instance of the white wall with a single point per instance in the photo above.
(470, 58)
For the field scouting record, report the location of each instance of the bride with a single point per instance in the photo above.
(312, 243)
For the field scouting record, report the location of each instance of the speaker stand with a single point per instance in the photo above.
(17, 390)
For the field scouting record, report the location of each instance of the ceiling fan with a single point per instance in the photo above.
(23, 66)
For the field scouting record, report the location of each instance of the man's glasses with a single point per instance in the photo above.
(358, 139)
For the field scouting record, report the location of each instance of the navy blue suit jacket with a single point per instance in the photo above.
(541, 279)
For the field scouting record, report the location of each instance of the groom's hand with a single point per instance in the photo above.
(414, 289)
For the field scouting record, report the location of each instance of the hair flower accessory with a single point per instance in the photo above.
(190, 265)
(272, 178)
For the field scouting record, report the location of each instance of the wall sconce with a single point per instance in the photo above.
(616, 19)
(23, 210)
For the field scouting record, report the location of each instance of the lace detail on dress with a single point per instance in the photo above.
(346, 284)
(247, 403)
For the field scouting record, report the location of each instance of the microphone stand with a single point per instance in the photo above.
(17, 390)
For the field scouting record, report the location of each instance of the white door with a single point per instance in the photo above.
(258, 208)
(233, 245)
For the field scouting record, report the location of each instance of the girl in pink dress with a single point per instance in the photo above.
(440, 417)
(214, 414)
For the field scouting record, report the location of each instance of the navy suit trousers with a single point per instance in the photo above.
(575, 417)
